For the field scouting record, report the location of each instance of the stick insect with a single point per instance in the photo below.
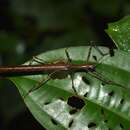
(52, 69)
(71, 69)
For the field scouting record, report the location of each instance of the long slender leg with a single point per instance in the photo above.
(100, 52)
(89, 54)
(68, 56)
(37, 60)
(41, 83)
(97, 48)
(107, 81)
(99, 75)
(90, 50)
(71, 73)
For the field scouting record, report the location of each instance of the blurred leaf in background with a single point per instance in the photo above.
(108, 8)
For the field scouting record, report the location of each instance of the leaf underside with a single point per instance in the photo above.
(103, 97)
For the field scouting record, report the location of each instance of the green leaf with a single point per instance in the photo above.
(120, 33)
(103, 98)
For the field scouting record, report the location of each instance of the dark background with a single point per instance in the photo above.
(29, 27)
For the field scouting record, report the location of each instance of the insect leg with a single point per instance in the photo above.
(37, 60)
(107, 81)
(41, 83)
(97, 48)
(89, 53)
(90, 50)
(99, 75)
(68, 56)
(100, 52)
(70, 73)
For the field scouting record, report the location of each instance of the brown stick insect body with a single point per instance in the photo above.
(49, 69)
(52, 69)
(42, 69)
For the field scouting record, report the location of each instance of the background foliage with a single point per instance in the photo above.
(29, 27)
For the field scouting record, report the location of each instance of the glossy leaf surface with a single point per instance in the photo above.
(120, 33)
(103, 100)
